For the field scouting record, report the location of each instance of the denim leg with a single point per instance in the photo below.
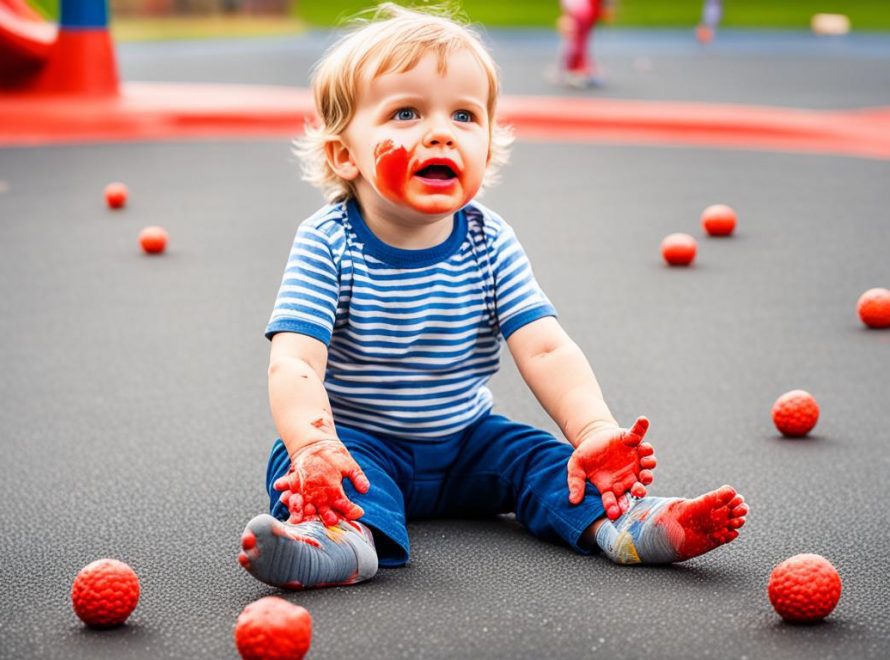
(509, 466)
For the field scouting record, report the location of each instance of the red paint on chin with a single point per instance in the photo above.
(396, 182)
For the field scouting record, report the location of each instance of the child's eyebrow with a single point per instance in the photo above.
(470, 102)
(401, 99)
(419, 99)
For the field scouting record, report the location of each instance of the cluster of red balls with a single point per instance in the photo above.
(720, 220)
(106, 592)
(153, 240)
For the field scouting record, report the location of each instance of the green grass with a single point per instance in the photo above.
(864, 14)
(49, 8)
(215, 27)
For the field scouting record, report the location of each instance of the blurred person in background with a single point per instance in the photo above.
(577, 67)
(711, 13)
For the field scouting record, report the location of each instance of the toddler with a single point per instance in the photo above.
(389, 323)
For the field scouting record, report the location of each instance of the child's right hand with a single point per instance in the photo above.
(616, 461)
(314, 484)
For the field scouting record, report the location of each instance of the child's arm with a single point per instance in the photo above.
(615, 460)
(302, 415)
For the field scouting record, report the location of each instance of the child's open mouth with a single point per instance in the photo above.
(438, 173)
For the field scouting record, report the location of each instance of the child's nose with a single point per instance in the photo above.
(438, 135)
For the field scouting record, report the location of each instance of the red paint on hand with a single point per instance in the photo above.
(314, 484)
(105, 593)
(271, 627)
(615, 461)
(804, 588)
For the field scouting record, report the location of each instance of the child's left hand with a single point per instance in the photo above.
(616, 461)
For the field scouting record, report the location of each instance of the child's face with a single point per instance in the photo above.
(420, 139)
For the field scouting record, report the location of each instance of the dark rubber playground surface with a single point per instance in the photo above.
(135, 425)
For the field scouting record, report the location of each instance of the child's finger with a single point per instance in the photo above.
(577, 479)
(576, 491)
(309, 510)
(328, 517)
(638, 490)
(350, 510)
(358, 478)
(623, 504)
(610, 504)
(646, 477)
(645, 449)
(648, 462)
(637, 432)
(281, 483)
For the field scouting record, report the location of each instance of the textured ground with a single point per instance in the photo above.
(135, 425)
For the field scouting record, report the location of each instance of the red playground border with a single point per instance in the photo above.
(161, 111)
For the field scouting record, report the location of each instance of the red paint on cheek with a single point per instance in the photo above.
(391, 169)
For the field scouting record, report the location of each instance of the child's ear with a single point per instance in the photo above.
(340, 158)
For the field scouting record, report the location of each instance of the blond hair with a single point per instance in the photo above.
(395, 38)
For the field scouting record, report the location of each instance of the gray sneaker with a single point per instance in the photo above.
(308, 554)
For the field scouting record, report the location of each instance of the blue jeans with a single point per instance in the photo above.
(493, 466)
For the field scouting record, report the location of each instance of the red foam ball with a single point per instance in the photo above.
(678, 249)
(153, 239)
(874, 308)
(795, 413)
(271, 627)
(116, 195)
(718, 220)
(804, 588)
(105, 593)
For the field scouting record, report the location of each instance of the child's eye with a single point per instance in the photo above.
(405, 114)
(463, 116)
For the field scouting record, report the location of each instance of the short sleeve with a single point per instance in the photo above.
(518, 298)
(310, 290)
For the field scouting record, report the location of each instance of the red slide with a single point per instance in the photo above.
(26, 40)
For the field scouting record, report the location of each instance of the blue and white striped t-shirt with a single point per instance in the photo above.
(413, 336)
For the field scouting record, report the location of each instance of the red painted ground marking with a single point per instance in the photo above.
(148, 111)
